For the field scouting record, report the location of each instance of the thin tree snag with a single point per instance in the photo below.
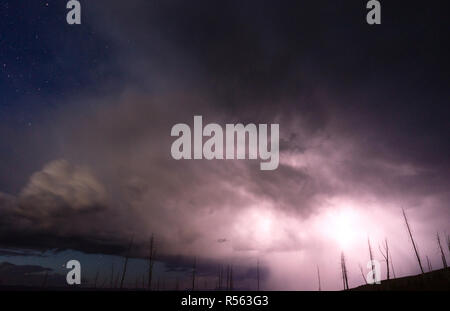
(412, 241)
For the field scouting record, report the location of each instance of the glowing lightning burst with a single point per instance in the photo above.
(343, 225)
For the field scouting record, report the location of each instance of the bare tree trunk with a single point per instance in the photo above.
(318, 277)
(444, 261)
(344, 272)
(430, 267)
(193, 273)
(231, 277)
(448, 242)
(386, 256)
(412, 241)
(44, 283)
(116, 284)
(126, 262)
(96, 277)
(257, 274)
(112, 276)
(371, 259)
(151, 259)
(104, 282)
(220, 277)
(362, 274)
(392, 264)
(227, 286)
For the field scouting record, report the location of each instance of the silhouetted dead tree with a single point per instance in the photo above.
(392, 264)
(362, 274)
(116, 283)
(151, 260)
(220, 277)
(229, 285)
(386, 256)
(44, 283)
(412, 241)
(194, 271)
(318, 278)
(448, 242)
(228, 278)
(104, 282)
(344, 272)
(430, 267)
(371, 259)
(126, 262)
(112, 276)
(96, 277)
(257, 274)
(231, 277)
(444, 261)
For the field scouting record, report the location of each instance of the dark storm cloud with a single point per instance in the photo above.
(260, 60)
(362, 111)
(29, 275)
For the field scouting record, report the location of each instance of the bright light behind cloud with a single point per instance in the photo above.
(257, 225)
(348, 224)
(343, 226)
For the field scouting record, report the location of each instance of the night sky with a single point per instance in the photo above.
(86, 112)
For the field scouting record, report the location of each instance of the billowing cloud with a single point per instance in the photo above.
(53, 206)
(61, 187)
